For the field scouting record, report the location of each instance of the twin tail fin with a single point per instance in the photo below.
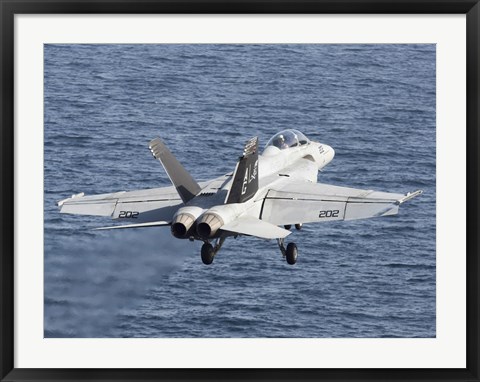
(245, 178)
(186, 186)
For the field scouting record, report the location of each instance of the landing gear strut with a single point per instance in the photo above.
(290, 253)
(209, 251)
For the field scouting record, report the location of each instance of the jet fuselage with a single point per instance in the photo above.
(203, 216)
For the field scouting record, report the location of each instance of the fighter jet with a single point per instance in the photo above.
(264, 197)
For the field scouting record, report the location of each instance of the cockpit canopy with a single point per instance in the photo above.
(288, 138)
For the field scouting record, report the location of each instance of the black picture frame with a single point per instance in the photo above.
(10, 8)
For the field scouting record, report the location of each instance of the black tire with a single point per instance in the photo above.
(288, 226)
(298, 226)
(292, 253)
(207, 253)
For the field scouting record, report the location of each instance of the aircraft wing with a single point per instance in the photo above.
(157, 204)
(306, 202)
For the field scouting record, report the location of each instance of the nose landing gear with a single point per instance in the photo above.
(290, 253)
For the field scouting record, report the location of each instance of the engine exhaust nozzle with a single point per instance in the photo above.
(208, 225)
(181, 225)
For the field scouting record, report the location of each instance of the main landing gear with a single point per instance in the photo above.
(209, 251)
(290, 253)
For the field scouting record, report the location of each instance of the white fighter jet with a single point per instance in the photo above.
(277, 188)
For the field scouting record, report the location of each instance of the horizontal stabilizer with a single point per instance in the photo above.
(249, 225)
(186, 186)
(139, 225)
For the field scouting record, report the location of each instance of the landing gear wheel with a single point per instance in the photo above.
(207, 253)
(291, 253)
(288, 226)
(298, 226)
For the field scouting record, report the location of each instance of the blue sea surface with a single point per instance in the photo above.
(374, 104)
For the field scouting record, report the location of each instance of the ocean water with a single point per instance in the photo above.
(374, 104)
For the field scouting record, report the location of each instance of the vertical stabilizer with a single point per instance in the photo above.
(245, 179)
(186, 186)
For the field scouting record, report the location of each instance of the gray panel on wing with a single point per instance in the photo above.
(292, 211)
(97, 205)
(97, 208)
(306, 202)
(151, 204)
(143, 211)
